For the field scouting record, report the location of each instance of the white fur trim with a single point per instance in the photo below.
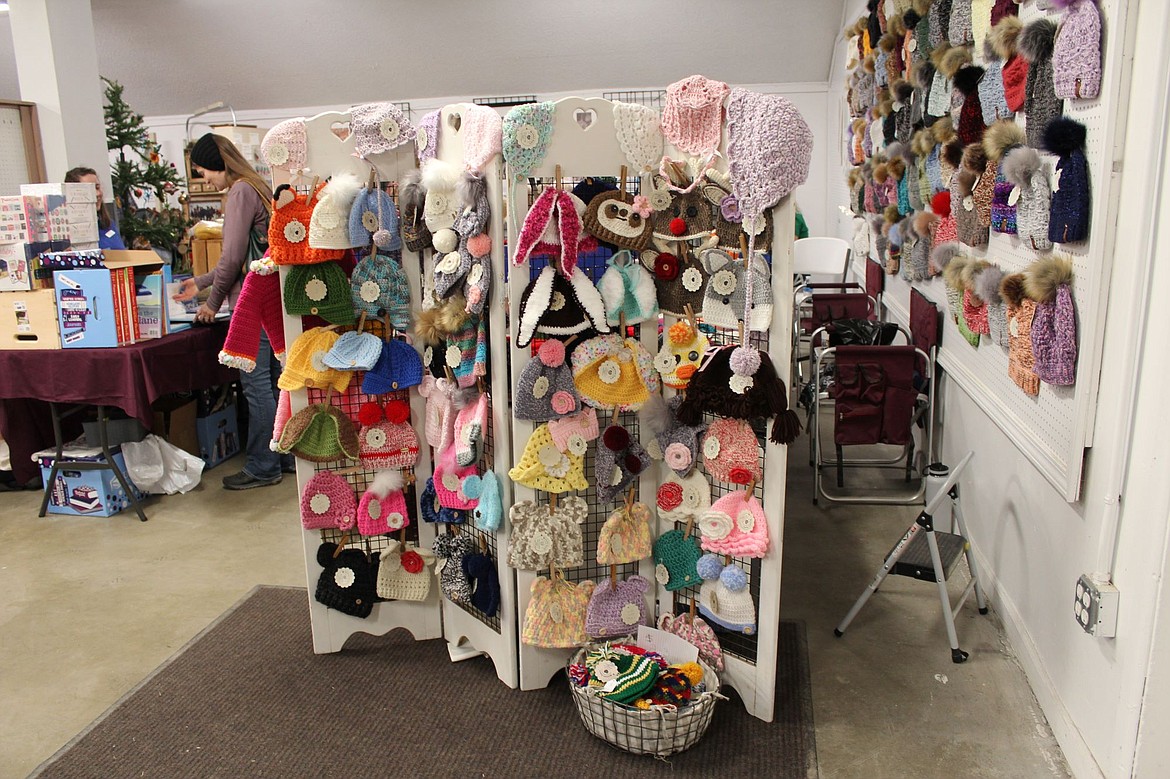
(437, 174)
(386, 482)
(590, 299)
(612, 291)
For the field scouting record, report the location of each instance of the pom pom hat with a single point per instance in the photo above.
(383, 506)
(1070, 208)
(545, 390)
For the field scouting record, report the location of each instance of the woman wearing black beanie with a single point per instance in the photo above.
(245, 238)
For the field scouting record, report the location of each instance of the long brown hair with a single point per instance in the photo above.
(73, 176)
(239, 169)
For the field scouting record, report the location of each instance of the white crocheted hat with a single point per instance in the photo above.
(379, 127)
(329, 225)
(286, 145)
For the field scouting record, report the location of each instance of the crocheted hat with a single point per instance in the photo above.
(617, 611)
(257, 308)
(552, 226)
(729, 223)
(542, 537)
(681, 353)
(612, 372)
(692, 115)
(620, 461)
(527, 129)
(639, 133)
(485, 491)
(404, 572)
(697, 633)
(466, 242)
(627, 290)
(724, 300)
(444, 399)
(675, 443)
(1041, 105)
(1021, 310)
(731, 452)
(564, 601)
(383, 506)
(453, 581)
(482, 129)
(286, 145)
(769, 147)
(556, 305)
(374, 219)
(735, 525)
(1070, 209)
(480, 570)
(625, 536)
(320, 433)
(465, 352)
(675, 557)
(545, 389)
(681, 499)
(426, 137)
(724, 597)
(470, 427)
(449, 478)
(328, 502)
(677, 283)
(412, 197)
(573, 433)
(1076, 53)
(347, 581)
(378, 285)
(305, 366)
(626, 677)
(288, 228)
(321, 290)
(741, 383)
(378, 128)
(387, 439)
(1024, 168)
(354, 351)
(398, 368)
(544, 467)
(329, 225)
(1048, 281)
(441, 180)
(619, 219)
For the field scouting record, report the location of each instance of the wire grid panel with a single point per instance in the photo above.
(654, 98)
(1053, 428)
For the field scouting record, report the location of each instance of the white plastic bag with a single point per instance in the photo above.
(158, 466)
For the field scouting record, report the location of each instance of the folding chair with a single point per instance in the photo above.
(817, 311)
(931, 555)
(821, 259)
(875, 285)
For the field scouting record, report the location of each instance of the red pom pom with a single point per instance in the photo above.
(398, 411)
(941, 203)
(678, 226)
(633, 464)
(666, 267)
(412, 562)
(616, 438)
(370, 414)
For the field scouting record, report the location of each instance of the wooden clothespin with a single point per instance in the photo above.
(612, 578)
(691, 614)
(483, 547)
(727, 559)
(557, 177)
(341, 544)
(613, 419)
(362, 321)
(387, 330)
(313, 187)
(373, 178)
(402, 536)
(622, 180)
(743, 248)
(690, 526)
(751, 489)
(480, 384)
(451, 376)
(552, 503)
(622, 323)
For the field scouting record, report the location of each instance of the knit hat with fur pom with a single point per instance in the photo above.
(1024, 168)
(1076, 54)
(383, 506)
(1070, 210)
(1048, 281)
(1041, 105)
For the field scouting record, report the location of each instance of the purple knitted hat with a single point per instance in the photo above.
(379, 127)
(426, 138)
(769, 147)
(615, 612)
(1076, 54)
(1054, 326)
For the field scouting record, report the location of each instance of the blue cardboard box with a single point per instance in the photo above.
(98, 307)
(219, 435)
(87, 493)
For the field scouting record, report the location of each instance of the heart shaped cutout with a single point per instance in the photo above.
(340, 129)
(584, 118)
(455, 120)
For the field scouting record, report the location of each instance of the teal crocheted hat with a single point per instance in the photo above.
(527, 131)
(675, 557)
(379, 286)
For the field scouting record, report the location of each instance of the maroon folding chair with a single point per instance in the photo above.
(875, 285)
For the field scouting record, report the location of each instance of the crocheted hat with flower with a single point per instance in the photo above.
(614, 372)
(527, 131)
(378, 128)
(617, 611)
(412, 196)
(321, 290)
(545, 389)
(619, 219)
(378, 286)
(347, 581)
(697, 633)
(625, 536)
(257, 308)
(724, 597)
(681, 353)
(426, 137)
(449, 478)
(320, 433)
(398, 368)
(374, 219)
(544, 467)
(354, 351)
(627, 290)
(404, 572)
(674, 443)
(387, 440)
(678, 283)
(489, 508)
(681, 499)
(383, 506)
(288, 229)
(305, 366)
(735, 525)
(725, 301)
(573, 433)
(328, 502)
(675, 556)
(731, 452)
(692, 116)
(556, 305)
(329, 225)
(620, 461)
(286, 145)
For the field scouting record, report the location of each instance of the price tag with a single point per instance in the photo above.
(676, 650)
(1014, 196)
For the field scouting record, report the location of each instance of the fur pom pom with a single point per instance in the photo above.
(386, 482)
(938, 52)
(655, 415)
(922, 142)
(944, 130)
(953, 59)
(1004, 36)
(453, 314)
(1062, 136)
(908, 231)
(911, 18)
(411, 192)
(987, 283)
(891, 215)
(952, 153)
(881, 172)
(1045, 276)
(941, 203)
(897, 168)
(966, 78)
(942, 255)
(922, 7)
(953, 272)
(898, 151)
(895, 235)
(426, 326)
(887, 42)
(902, 90)
(1020, 164)
(970, 272)
(885, 105)
(898, 27)
(1012, 289)
(1036, 40)
(965, 181)
(974, 158)
(923, 221)
(437, 174)
(868, 64)
(471, 189)
(1001, 136)
(924, 74)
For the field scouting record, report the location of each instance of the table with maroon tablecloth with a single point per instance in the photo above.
(128, 377)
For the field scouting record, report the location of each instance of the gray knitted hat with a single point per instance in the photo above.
(679, 443)
(992, 98)
(1041, 105)
(452, 580)
(545, 390)
(455, 258)
(1024, 167)
(620, 461)
(967, 224)
(959, 25)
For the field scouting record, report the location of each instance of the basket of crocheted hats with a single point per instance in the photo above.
(635, 700)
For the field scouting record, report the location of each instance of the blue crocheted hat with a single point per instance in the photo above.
(374, 217)
(480, 570)
(379, 286)
(354, 351)
(489, 511)
(398, 367)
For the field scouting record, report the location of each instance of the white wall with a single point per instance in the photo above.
(1033, 544)
(9, 86)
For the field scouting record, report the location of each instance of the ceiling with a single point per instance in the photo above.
(177, 55)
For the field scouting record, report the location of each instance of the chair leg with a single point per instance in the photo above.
(840, 466)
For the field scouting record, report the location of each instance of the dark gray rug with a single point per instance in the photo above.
(248, 698)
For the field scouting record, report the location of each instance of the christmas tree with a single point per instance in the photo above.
(140, 167)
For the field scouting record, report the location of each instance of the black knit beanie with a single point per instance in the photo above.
(206, 154)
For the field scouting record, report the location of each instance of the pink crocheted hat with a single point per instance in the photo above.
(573, 433)
(379, 127)
(286, 146)
(283, 412)
(426, 137)
(554, 220)
(769, 147)
(470, 427)
(328, 502)
(483, 133)
(731, 452)
(449, 481)
(387, 440)
(693, 114)
(735, 525)
(383, 506)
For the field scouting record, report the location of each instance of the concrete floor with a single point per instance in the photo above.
(92, 605)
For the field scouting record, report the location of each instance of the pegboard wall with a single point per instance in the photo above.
(1053, 428)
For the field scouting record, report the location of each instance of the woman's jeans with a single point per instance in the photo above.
(261, 392)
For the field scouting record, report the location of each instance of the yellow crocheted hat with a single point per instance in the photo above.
(306, 367)
(544, 467)
(614, 372)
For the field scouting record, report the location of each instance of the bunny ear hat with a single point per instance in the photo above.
(554, 219)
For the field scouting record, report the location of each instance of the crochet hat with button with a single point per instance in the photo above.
(681, 353)
(321, 290)
(257, 308)
(354, 351)
(480, 570)
(383, 506)
(692, 116)
(286, 145)
(614, 372)
(527, 129)
(398, 367)
(378, 286)
(555, 617)
(556, 305)
(697, 633)
(1048, 281)
(466, 351)
(625, 536)
(735, 525)
(470, 427)
(542, 536)
(1041, 105)
(387, 439)
(677, 283)
(545, 389)
(432, 511)
(329, 225)
(305, 366)
(724, 597)
(1076, 54)
(617, 611)
(453, 581)
(288, 229)
(544, 467)
(328, 502)
(731, 452)
(1070, 209)
(489, 508)
(1024, 168)
(724, 300)
(573, 433)
(627, 289)
(675, 556)
(347, 581)
(619, 462)
(412, 197)
(449, 478)
(681, 499)
(320, 433)
(404, 572)
(373, 218)
(378, 127)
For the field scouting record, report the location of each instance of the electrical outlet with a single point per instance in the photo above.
(1095, 606)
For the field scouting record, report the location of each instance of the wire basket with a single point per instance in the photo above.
(657, 732)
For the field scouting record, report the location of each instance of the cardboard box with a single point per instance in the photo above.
(87, 493)
(205, 253)
(73, 192)
(219, 435)
(28, 320)
(174, 421)
(97, 307)
(45, 216)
